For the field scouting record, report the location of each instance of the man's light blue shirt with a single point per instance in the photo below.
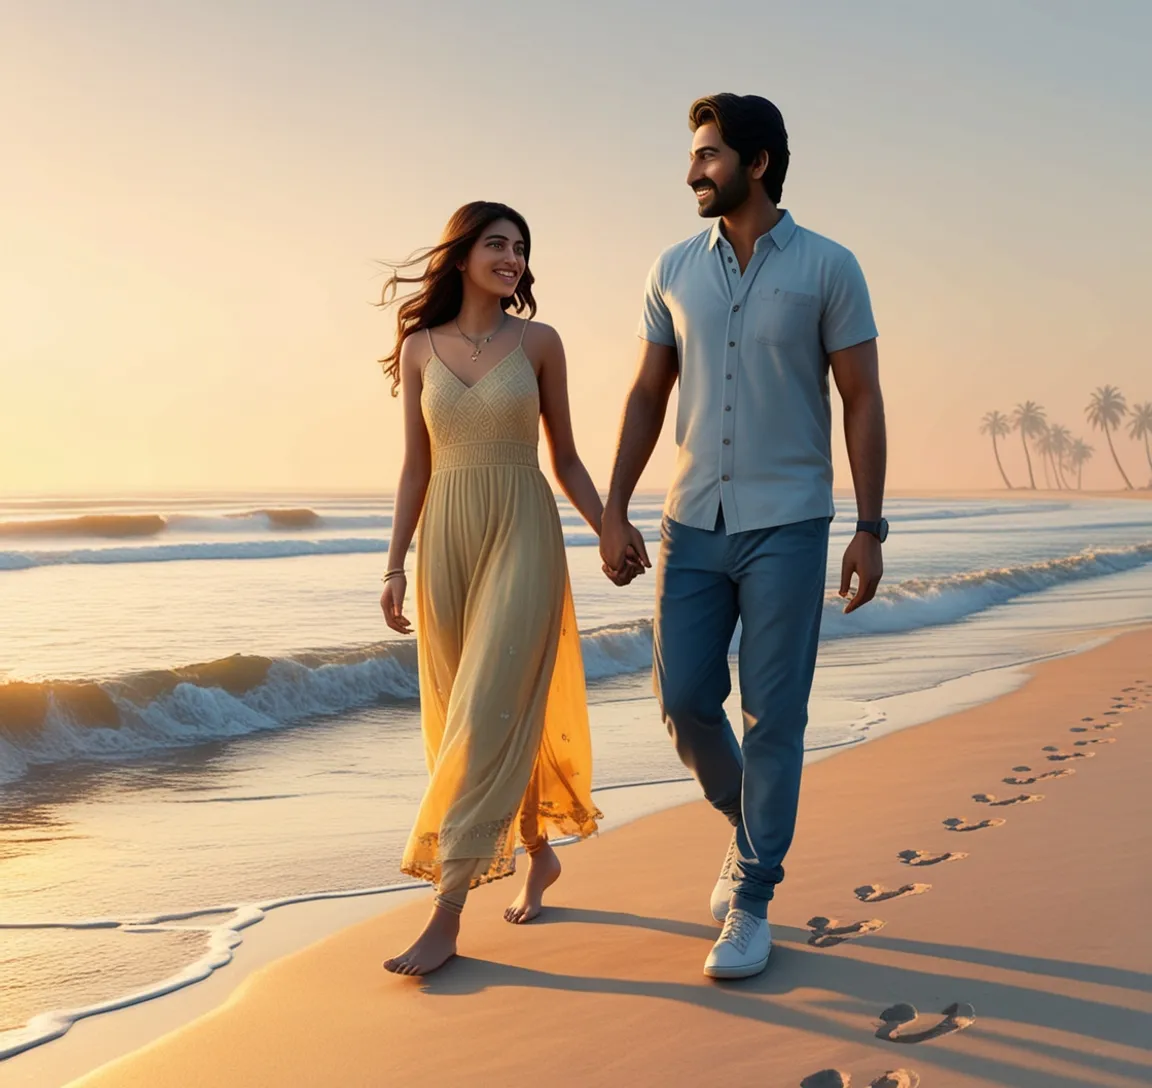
(754, 423)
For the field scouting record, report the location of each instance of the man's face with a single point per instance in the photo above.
(715, 175)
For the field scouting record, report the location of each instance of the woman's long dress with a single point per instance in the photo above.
(503, 706)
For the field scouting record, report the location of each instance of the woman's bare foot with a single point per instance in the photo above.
(543, 872)
(432, 949)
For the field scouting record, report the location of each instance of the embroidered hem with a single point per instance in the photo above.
(428, 857)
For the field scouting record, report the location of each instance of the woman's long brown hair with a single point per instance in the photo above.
(441, 290)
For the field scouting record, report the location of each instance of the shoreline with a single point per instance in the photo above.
(289, 929)
(1022, 494)
(1055, 983)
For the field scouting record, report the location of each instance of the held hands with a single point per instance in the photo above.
(392, 604)
(622, 550)
(863, 558)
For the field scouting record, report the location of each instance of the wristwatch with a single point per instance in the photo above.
(879, 529)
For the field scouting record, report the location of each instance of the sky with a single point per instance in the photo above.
(195, 197)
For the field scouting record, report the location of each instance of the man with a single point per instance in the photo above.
(750, 316)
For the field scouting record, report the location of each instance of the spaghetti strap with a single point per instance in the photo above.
(431, 353)
(523, 330)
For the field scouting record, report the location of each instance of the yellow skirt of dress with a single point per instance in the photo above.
(503, 705)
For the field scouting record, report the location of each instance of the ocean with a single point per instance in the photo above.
(202, 713)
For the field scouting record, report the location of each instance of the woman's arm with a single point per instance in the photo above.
(554, 410)
(413, 483)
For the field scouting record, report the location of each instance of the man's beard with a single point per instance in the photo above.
(727, 198)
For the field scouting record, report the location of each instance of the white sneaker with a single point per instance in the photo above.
(725, 883)
(743, 947)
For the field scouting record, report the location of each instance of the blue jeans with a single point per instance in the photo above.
(773, 581)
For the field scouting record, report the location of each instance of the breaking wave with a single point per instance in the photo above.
(55, 720)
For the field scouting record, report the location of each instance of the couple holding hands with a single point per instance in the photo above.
(750, 316)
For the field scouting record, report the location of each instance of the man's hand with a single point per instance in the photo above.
(622, 549)
(863, 558)
(633, 567)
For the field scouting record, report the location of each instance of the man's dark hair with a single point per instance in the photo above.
(748, 124)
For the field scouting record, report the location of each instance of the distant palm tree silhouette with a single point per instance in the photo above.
(1079, 453)
(1140, 427)
(998, 425)
(1043, 446)
(1106, 408)
(1060, 439)
(1028, 419)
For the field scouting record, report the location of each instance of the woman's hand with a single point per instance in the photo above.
(622, 549)
(392, 604)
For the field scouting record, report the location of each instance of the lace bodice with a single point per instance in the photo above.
(494, 421)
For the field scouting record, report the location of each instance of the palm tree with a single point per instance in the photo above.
(997, 425)
(1140, 426)
(1106, 408)
(1028, 419)
(1043, 446)
(1061, 441)
(1079, 453)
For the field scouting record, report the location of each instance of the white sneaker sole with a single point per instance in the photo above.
(744, 970)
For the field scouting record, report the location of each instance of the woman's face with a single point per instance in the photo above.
(497, 261)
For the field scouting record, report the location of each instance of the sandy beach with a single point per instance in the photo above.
(1021, 953)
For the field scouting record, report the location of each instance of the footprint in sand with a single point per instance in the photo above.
(828, 932)
(955, 823)
(877, 893)
(1019, 799)
(956, 1018)
(1095, 740)
(835, 1078)
(1015, 780)
(922, 857)
(1108, 725)
(827, 1078)
(1057, 756)
(897, 1078)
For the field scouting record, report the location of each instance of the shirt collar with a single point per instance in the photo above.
(781, 234)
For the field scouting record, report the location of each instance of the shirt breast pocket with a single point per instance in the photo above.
(784, 317)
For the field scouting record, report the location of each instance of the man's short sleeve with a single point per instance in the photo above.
(847, 318)
(656, 319)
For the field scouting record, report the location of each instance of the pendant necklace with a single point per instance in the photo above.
(478, 345)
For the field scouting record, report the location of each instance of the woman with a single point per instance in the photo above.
(503, 707)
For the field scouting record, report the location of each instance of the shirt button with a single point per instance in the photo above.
(725, 478)
(731, 343)
(727, 441)
(736, 308)
(728, 376)
(727, 407)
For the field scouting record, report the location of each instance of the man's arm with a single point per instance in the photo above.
(856, 371)
(644, 413)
